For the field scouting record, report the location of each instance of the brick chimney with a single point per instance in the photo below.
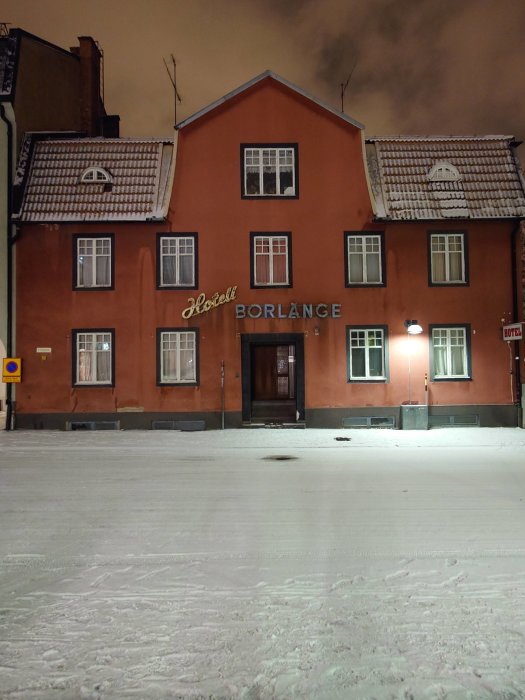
(93, 118)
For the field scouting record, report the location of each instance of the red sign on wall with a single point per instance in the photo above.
(512, 332)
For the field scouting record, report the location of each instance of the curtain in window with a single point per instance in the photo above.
(84, 366)
(169, 269)
(373, 273)
(104, 365)
(103, 271)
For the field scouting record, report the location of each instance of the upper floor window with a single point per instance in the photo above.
(448, 258)
(95, 174)
(269, 170)
(177, 260)
(177, 356)
(93, 262)
(93, 357)
(450, 352)
(367, 357)
(271, 260)
(364, 259)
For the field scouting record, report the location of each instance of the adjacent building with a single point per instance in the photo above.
(273, 272)
(42, 88)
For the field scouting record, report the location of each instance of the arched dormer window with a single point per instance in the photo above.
(95, 174)
(443, 172)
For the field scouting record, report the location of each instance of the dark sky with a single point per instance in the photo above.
(418, 66)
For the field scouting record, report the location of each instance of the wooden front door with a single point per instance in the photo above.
(273, 382)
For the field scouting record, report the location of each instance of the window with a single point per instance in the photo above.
(269, 171)
(448, 258)
(450, 352)
(364, 258)
(93, 267)
(177, 260)
(271, 260)
(443, 172)
(95, 174)
(177, 356)
(367, 357)
(93, 357)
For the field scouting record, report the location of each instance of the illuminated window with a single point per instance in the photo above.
(177, 356)
(93, 357)
(269, 171)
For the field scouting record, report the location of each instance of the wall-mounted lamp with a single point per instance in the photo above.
(413, 327)
(316, 330)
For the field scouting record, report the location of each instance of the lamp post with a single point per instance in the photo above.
(413, 328)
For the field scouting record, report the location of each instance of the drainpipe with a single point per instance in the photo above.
(515, 312)
(9, 262)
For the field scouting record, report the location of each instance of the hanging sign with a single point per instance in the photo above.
(513, 331)
(12, 370)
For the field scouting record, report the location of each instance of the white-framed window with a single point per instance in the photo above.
(95, 174)
(271, 260)
(269, 171)
(178, 356)
(443, 171)
(93, 357)
(450, 352)
(177, 256)
(447, 258)
(364, 259)
(367, 357)
(93, 262)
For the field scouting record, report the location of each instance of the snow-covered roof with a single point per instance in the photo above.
(138, 190)
(445, 177)
(259, 78)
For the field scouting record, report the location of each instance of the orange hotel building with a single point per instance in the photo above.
(262, 268)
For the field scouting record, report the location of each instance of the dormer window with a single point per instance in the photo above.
(443, 172)
(95, 175)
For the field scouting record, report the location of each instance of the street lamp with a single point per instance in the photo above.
(413, 328)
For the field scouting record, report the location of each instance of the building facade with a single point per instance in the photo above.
(42, 88)
(270, 275)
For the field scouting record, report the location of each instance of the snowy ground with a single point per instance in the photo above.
(262, 564)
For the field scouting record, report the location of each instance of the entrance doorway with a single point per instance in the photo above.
(273, 378)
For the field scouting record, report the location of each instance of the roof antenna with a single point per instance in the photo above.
(344, 86)
(173, 80)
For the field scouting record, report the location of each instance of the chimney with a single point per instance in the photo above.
(93, 118)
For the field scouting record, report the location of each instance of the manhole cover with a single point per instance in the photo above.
(280, 458)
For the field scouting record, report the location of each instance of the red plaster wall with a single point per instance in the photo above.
(207, 199)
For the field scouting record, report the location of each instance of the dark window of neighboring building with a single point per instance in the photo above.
(269, 170)
(271, 259)
(448, 258)
(178, 356)
(177, 260)
(93, 357)
(367, 348)
(450, 356)
(93, 262)
(364, 259)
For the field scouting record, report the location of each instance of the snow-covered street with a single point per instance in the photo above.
(262, 564)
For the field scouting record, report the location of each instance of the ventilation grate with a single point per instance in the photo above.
(369, 422)
(93, 425)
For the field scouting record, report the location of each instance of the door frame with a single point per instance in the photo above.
(249, 339)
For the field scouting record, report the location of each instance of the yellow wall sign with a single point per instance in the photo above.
(201, 305)
(12, 370)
